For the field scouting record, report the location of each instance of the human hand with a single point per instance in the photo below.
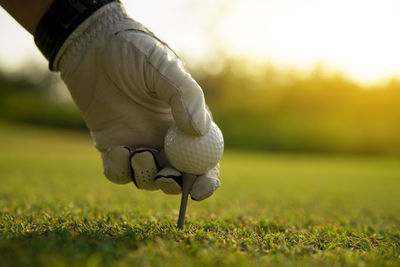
(130, 87)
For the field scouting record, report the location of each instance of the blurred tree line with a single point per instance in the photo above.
(256, 107)
(35, 95)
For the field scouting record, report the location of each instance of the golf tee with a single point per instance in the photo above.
(187, 182)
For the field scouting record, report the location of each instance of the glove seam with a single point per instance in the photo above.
(177, 179)
(165, 176)
(131, 168)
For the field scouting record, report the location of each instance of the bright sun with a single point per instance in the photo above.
(361, 38)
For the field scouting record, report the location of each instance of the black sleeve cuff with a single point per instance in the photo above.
(62, 18)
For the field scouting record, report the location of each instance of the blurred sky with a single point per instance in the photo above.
(358, 37)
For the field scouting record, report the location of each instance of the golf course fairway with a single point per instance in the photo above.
(279, 209)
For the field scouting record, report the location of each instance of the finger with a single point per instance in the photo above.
(205, 185)
(169, 180)
(116, 164)
(174, 85)
(144, 168)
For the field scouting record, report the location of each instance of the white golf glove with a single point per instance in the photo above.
(130, 87)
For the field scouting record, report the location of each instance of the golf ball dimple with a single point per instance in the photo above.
(194, 154)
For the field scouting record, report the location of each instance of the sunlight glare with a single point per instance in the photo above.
(361, 38)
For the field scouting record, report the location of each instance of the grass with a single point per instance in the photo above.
(56, 209)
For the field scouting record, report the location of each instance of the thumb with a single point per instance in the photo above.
(189, 109)
(174, 85)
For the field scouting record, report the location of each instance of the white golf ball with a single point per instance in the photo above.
(194, 154)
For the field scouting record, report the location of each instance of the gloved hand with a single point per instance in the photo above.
(130, 87)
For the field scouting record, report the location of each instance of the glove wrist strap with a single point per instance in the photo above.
(62, 18)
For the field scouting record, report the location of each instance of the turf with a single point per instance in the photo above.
(56, 209)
